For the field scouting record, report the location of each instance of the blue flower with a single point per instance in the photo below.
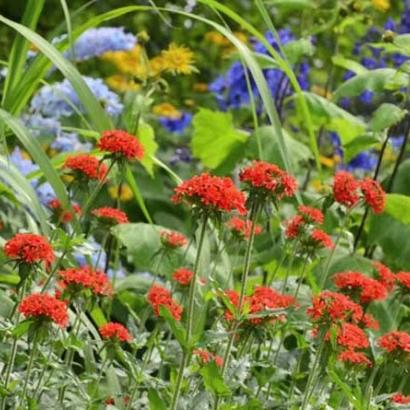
(176, 125)
(69, 142)
(366, 97)
(182, 154)
(41, 126)
(57, 100)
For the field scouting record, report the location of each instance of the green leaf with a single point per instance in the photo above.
(358, 145)
(386, 116)
(6, 305)
(400, 44)
(9, 279)
(402, 181)
(377, 81)
(292, 4)
(147, 137)
(213, 380)
(98, 316)
(348, 64)
(22, 328)
(398, 207)
(215, 137)
(295, 50)
(155, 401)
(176, 328)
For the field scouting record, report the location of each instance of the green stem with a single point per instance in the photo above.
(37, 390)
(289, 269)
(190, 315)
(30, 366)
(270, 280)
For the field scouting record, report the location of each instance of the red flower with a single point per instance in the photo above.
(159, 296)
(29, 248)
(385, 275)
(369, 289)
(115, 331)
(352, 337)
(370, 322)
(346, 189)
(334, 306)
(400, 398)
(355, 358)
(311, 215)
(84, 165)
(396, 341)
(183, 276)
(374, 195)
(111, 215)
(233, 297)
(121, 143)
(205, 357)
(214, 193)
(44, 307)
(173, 239)
(269, 179)
(321, 239)
(242, 227)
(63, 215)
(404, 280)
(294, 227)
(77, 279)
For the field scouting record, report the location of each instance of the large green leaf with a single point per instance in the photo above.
(147, 137)
(215, 137)
(386, 116)
(347, 64)
(402, 181)
(398, 207)
(213, 379)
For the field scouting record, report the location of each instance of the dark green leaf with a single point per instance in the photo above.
(176, 328)
(22, 328)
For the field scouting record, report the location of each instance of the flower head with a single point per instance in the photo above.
(400, 398)
(395, 342)
(321, 239)
(311, 215)
(172, 239)
(205, 357)
(121, 144)
(352, 337)
(63, 215)
(216, 194)
(178, 59)
(346, 189)
(403, 278)
(242, 227)
(385, 275)
(115, 332)
(183, 276)
(29, 248)
(354, 358)
(86, 166)
(111, 216)
(381, 5)
(374, 195)
(294, 227)
(43, 306)
(159, 296)
(268, 179)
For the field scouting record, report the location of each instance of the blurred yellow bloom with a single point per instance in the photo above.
(217, 38)
(166, 110)
(157, 65)
(200, 87)
(317, 89)
(381, 5)
(125, 194)
(317, 185)
(121, 83)
(189, 102)
(128, 62)
(178, 59)
(327, 162)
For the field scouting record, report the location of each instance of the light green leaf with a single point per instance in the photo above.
(295, 50)
(358, 145)
(398, 207)
(348, 64)
(215, 137)
(147, 137)
(155, 400)
(292, 4)
(213, 379)
(386, 116)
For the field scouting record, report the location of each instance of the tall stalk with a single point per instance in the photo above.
(29, 366)
(190, 316)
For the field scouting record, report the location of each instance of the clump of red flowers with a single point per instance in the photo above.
(63, 215)
(400, 398)
(403, 279)
(75, 280)
(311, 215)
(367, 289)
(205, 357)
(29, 248)
(346, 189)
(183, 276)
(351, 337)
(121, 144)
(373, 194)
(111, 216)
(395, 342)
(242, 227)
(86, 166)
(294, 227)
(216, 194)
(172, 239)
(354, 358)
(320, 239)
(43, 306)
(115, 332)
(159, 296)
(385, 275)
(268, 179)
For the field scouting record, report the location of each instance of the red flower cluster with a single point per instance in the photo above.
(233, 297)
(205, 357)
(374, 195)
(215, 193)
(368, 289)
(121, 143)
(84, 165)
(172, 239)
(404, 280)
(75, 280)
(115, 331)
(44, 307)
(395, 342)
(269, 179)
(354, 358)
(29, 248)
(159, 296)
(111, 216)
(399, 398)
(321, 239)
(352, 337)
(311, 215)
(385, 275)
(294, 227)
(242, 227)
(183, 276)
(63, 215)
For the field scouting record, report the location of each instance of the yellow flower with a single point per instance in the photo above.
(327, 162)
(126, 193)
(121, 83)
(166, 110)
(156, 65)
(178, 59)
(317, 185)
(217, 38)
(200, 87)
(381, 5)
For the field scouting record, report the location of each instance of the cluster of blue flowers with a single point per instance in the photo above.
(176, 125)
(231, 88)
